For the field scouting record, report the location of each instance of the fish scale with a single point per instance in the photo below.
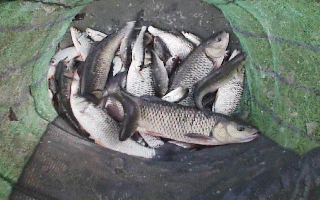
(103, 129)
(98, 63)
(229, 95)
(155, 117)
(174, 121)
(206, 57)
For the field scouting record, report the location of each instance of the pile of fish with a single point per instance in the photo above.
(141, 87)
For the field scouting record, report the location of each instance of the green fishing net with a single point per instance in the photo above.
(282, 85)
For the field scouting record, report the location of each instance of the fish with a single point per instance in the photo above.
(96, 36)
(139, 78)
(103, 129)
(176, 43)
(125, 48)
(81, 42)
(160, 75)
(176, 95)
(64, 77)
(117, 66)
(66, 54)
(206, 57)
(171, 64)
(192, 38)
(217, 79)
(161, 49)
(229, 95)
(163, 119)
(98, 64)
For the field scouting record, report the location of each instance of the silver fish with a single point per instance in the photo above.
(205, 58)
(176, 95)
(66, 54)
(98, 63)
(161, 49)
(159, 74)
(217, 79)
(96, 36)
(125, 48)
(139, 78)
(103, 129)
(81, 42)
(177, 45)
(117, 66)
(171, 64)
(192, 38)
(229, 94)
(181, 123)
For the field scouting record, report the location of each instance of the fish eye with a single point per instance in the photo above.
(241, 128)
(219, 39)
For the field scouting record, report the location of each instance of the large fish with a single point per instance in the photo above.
(205, 58)
(181, 123)
(98, 63)
(103, 129)
(177, 44)
(220, 78)
(139, 78)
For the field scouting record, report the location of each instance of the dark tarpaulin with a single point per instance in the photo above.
(65, 166)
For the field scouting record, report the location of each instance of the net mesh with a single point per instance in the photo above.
(281, 38)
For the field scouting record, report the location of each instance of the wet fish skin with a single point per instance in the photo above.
(205, 58)
(125, 48)
(172, 64)
(117, 66)
(192, 38)
(139, 78)
(177, 45)
(161, 49)
(96, 36)
(81, 42)
(98, 63)
(216, 79)
(66, 54)
(64, 77)
(176, 95)
(185, 124)
(160, 75)
(229, 95)
(103, 129)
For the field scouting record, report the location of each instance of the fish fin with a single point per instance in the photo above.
(131, 116)
(182, 144)
(176, 95)
(198, 136)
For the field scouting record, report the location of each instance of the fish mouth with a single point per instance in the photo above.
(252, 137)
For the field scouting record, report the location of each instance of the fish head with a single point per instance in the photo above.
(230, 130)
(216, 45)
